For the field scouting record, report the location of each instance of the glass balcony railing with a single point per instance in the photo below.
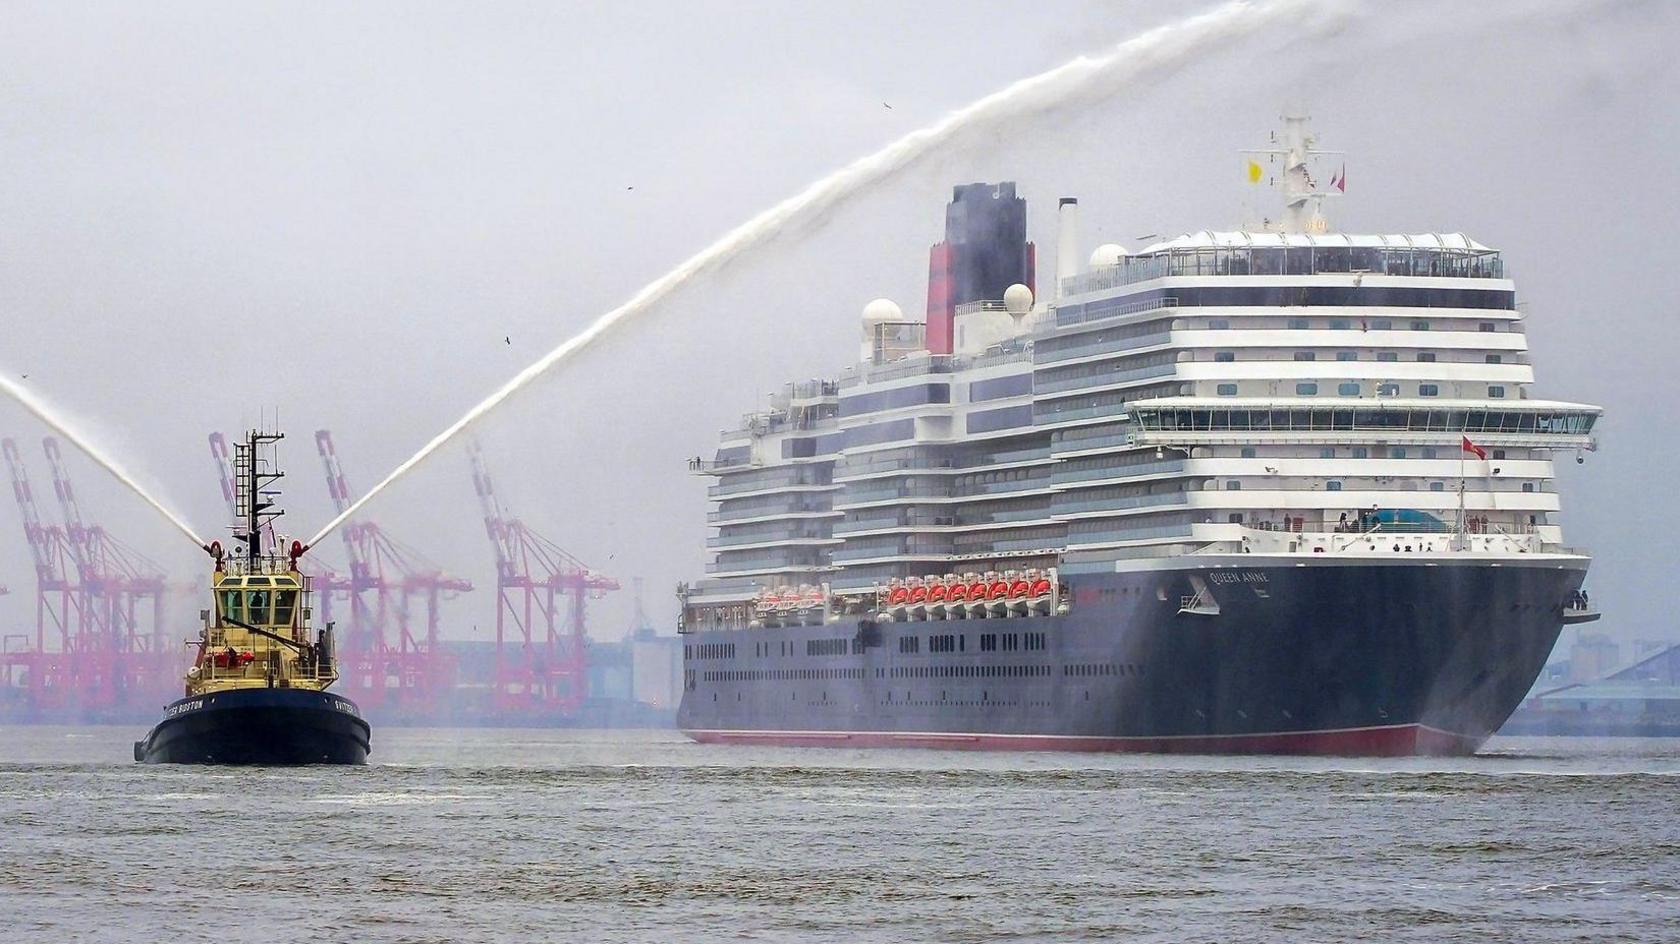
(1062, 475)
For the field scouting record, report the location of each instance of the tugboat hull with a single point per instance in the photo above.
(270, 726)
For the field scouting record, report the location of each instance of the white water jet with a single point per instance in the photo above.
(1156, 49)
(47, 415)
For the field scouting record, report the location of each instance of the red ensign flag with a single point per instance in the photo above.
(1472, 447)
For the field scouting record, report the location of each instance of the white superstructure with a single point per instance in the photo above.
(1287, 391)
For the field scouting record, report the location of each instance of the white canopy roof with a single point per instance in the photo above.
(1207, 239)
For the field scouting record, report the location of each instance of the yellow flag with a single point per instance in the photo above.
(1254, 172)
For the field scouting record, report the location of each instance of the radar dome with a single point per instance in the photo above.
(882, 311)
(1108, 254)
(1017, 299)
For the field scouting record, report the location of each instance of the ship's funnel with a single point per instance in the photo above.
(1067, 241)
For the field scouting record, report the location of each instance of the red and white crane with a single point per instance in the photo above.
(541, 666)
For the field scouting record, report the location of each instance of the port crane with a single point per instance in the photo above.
(99, 645)
(384, 656)
(541, 596)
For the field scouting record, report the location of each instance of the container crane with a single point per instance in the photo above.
(540, 652)
(383, 654)
(121, 646)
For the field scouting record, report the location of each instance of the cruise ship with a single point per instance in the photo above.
(1279, 490)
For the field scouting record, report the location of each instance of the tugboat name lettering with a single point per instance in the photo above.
(183, 707)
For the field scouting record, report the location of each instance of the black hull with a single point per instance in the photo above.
(1319, 657)
(270, 726)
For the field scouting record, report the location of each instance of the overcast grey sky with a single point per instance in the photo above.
(340, 211)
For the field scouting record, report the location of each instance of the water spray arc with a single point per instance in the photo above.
(1158, 49)
(47, 415)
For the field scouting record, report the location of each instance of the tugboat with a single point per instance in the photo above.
(257, 690)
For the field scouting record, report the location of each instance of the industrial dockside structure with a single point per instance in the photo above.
(102, 650)
(1277, 490)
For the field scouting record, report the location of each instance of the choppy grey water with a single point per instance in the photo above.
(478, 835)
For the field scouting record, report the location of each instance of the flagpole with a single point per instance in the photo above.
(1461, 541)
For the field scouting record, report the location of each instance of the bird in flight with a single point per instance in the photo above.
(886, 106)
(508, 339)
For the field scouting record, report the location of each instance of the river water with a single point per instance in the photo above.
(543, 835)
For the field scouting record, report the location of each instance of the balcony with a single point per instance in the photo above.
(1104, 379)
(1102, 346)
(1064, 476)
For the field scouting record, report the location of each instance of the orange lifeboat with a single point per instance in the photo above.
(898, 595)
(998, 590)
(1018, 590)
(813, 597)
(1041, 588)
(937, 593)
(918, 593)
(957, 592)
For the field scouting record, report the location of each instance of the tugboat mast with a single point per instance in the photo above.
(254, 475)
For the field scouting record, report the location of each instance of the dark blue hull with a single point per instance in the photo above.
(1334, 656)
(273, 726)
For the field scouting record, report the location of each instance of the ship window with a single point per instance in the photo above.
(1429, 452)
(1219, 324)
(1382, 324)
(1420, 326)
(256, 603)
(1340, 324)
(1306, 389)
(1233, 486)
(1485, 327)
(1224, 357)
(1429, 390)
(233, 606)
(1387, 357)
(1528, 486)
(1360, 452)
(1333, 486)
(1347, 355)
(1437, 486)
(284, 602)
(1305, 356)
(1388, 390)
(1227, 390)
(1495, 359)
(1298, 324)
(256, 581)
(1499, 453)
(1347, 390)
(1327, 452)
(1248, 452)
(1397, 452)
(1496, 392)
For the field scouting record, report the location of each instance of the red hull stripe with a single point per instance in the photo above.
(1398, 740)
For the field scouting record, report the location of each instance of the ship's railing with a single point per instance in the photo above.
(1291, 260)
